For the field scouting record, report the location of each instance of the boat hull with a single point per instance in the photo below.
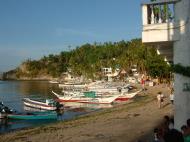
(38, 105)
(122, 99)
(31, 117)
(90, 101)
(127, 96)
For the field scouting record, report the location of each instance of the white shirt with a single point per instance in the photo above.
(171, 96)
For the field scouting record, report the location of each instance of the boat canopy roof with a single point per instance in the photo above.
(90, 94)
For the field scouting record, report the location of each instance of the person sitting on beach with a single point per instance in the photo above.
(160, 98)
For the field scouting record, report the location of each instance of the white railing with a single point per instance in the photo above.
(155, 12)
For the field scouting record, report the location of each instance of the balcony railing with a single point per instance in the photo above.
(161, 11)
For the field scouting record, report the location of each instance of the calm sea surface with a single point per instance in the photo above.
(12, 92)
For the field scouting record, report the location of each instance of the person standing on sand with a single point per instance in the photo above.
(143, 82)
(160, 99)
(172, 95)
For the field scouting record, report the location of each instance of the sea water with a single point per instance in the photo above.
(12, 93)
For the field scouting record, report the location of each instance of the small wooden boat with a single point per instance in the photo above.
(48, 104)
(32, 116)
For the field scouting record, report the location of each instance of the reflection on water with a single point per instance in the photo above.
(40, 88)
(12, 93)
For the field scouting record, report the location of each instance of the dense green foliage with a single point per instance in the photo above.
(88, 60)
(178, 68)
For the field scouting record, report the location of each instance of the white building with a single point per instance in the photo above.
(169, 32)
(106, 71)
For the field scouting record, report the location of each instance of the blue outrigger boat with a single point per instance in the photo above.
(32, 116)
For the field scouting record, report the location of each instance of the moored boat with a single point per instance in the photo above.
(87, 97)
(53, 81)
(81, 86)
(67, 97)
(48, 104)
(32, 116)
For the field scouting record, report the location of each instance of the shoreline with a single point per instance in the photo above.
(138, 116)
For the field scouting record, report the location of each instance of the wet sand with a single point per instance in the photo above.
(124, 123)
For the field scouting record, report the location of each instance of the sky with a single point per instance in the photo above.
(31, 29)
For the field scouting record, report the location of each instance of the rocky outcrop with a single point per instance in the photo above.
(13, 75)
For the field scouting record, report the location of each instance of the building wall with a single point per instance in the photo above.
(159, 32)
(182, 55)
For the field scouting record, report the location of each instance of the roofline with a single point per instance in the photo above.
(160, 2)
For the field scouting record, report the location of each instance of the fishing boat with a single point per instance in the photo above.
(47, 104)
(53, 82)
(32, 116)
(126, 96)
(67, 96)
(79, 86)
(110, 88)
(86, 97)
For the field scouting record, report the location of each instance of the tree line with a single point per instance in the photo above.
(88, 59)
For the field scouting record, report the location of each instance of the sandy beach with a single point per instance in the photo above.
(128, 122)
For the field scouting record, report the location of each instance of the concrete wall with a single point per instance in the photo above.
(182, 55)
(159, 32)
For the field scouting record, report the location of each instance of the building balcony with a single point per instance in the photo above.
(159, 26)
(158, 22)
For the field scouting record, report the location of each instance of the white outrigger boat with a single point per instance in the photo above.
(72, 85)
(53, 82)
(48, 104)
(86, 97)
(108, 89)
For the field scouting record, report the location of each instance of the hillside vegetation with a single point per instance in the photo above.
(88, 60)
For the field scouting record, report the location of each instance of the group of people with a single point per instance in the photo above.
(160, 98)
(167, 133)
